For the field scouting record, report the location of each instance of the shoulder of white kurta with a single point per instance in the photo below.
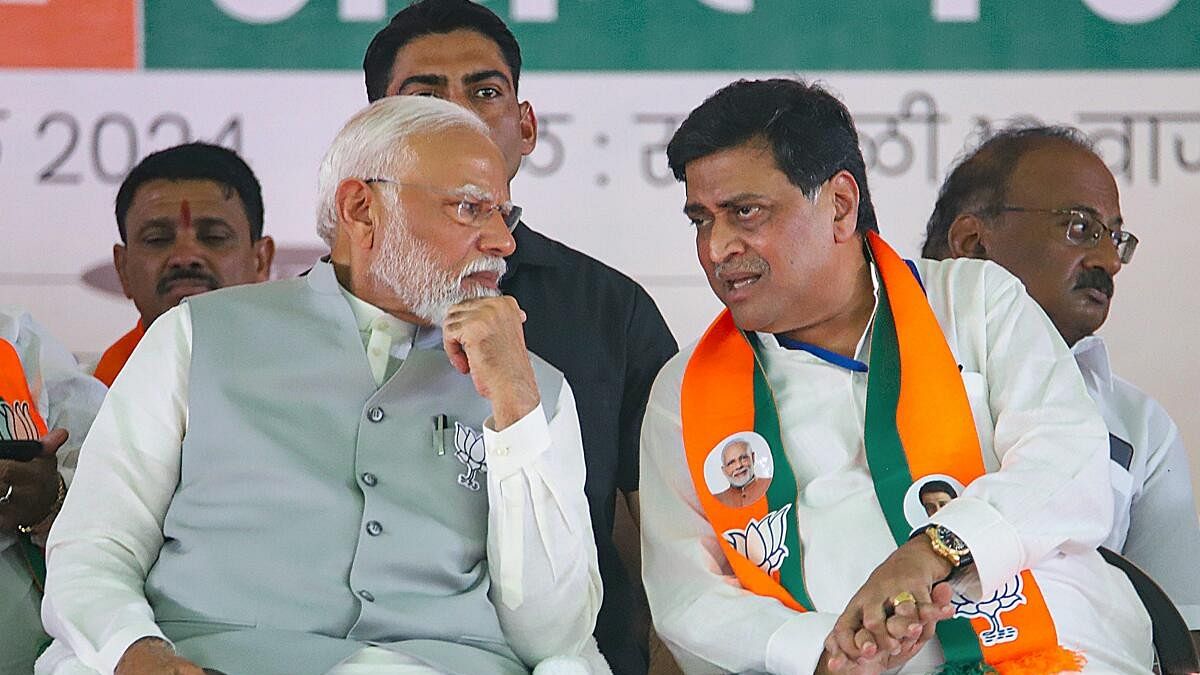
(664, 394)
(1139, 413)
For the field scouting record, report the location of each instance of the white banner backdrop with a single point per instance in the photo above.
(597, 181)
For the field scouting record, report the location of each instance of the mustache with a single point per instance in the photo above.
(1095, 278)
(485, 264)
(742, 266)
(164, 284)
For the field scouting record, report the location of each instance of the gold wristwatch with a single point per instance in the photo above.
(947, 544)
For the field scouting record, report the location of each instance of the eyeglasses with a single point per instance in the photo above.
(1085, 229)
(468, 210)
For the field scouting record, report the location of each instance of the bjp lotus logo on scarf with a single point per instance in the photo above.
(16, 424)
(468, 449)
(1005, 598)
(762, 540)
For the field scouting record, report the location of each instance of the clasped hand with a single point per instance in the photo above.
(873, 634)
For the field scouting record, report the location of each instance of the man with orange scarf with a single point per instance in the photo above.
(191, 221)
(43, 395)
(867, 376)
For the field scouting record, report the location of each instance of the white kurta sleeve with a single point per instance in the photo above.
(110, 529)
(67, 397)
(1165, 504)
(1052, 489)
(699, 607)
(541, 553)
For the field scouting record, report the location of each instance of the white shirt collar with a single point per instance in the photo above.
(1091, 355)
(769, 341)
(365, 314)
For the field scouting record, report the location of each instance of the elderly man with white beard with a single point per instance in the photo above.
(355, 472)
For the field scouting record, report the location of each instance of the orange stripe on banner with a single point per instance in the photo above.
(717, 400)
(936, 427)
(14, 389)
(69, 34)
(933, 414)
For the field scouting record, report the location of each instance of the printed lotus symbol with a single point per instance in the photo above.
(1005, 598)
(16, 422)
(468, 449)
(762, 540)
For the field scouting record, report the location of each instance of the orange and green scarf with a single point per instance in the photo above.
(917, 423)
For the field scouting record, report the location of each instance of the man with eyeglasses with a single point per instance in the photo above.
(1040, 202)
(595, 324)
(361, 471)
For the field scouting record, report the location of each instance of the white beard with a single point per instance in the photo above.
(406, 265)
(749, 479)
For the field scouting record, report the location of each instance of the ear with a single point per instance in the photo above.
(352, 205)
(264, 253)
(529, 128)
(966, 238)
(119, 263)
(843, 191)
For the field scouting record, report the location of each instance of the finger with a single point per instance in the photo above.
(941, 595)
(867, 645)
(843, 636)
(53, 440)
(523, 315)
(456, 354)
(904, 629)
(875, 621)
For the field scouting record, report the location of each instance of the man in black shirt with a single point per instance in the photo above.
(596, 325)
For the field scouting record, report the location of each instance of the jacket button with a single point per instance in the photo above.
(366, 595)
(375, 414)
(374, 528)
(369, 479)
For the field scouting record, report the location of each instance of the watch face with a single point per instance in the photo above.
(952, 541)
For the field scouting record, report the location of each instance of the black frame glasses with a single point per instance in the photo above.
(1084, 228)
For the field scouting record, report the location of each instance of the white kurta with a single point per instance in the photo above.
(65, 396)
(539, 529)
(1045, 502)
(1152, 488)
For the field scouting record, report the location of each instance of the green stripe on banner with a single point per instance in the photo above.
(885, 451)
(782, 491)
(890, 472)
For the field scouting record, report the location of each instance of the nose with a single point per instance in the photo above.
(722, 239)
(186, 251)
(494, 237)
(1104, 256)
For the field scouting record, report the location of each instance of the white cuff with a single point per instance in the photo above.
(995, 547)
(795, 648)
(110, 655)
(517, 445)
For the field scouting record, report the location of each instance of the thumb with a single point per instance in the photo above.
(940, 595)
(52, 441)
(456, 354)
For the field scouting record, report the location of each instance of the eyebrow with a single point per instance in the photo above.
(474, 191)
(724, 203)
(475, 78)
(1119, 222)
(433, 80)
(441, 80)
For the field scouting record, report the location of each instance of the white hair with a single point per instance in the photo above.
(375, 143)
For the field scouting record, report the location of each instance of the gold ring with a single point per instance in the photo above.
(902, 597)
